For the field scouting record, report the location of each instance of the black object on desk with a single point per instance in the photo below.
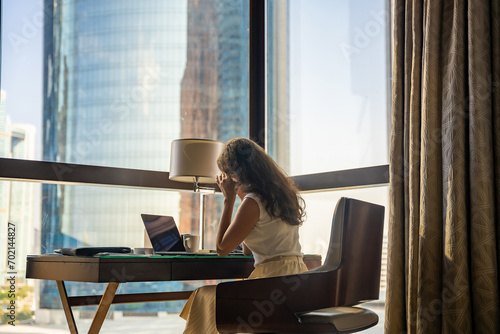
(91, 251)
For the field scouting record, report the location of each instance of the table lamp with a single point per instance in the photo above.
(195, 161)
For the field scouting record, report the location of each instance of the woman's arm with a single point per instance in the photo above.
(231, 234)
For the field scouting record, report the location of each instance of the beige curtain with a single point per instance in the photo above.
(444, 246)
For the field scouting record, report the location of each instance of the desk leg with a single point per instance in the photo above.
(67, 309)
(102, 310)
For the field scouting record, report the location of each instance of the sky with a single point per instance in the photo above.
(22, 35)
(337, 91)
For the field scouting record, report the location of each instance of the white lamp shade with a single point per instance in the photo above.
(191, 158)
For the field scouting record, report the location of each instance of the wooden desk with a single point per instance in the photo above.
(122, 269)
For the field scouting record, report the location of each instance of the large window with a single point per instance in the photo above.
(112, 83)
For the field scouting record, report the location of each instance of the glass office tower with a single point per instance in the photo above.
(112, 72)
(111, 98)
(16, 198)
(22, 198)
(214, 88)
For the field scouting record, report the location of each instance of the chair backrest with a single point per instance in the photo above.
(334, 256)
(355, 248)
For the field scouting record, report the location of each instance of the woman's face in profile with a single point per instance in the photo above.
(237, 187)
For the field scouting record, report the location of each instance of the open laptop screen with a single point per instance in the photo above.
(163, 233)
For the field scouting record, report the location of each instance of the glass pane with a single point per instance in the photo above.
(315, 232)
(90, 216)
(112, 83)
(328, 77)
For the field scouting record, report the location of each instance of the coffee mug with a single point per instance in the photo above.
(147, 251)
(191, 242)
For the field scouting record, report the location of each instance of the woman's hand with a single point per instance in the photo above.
(226, 185)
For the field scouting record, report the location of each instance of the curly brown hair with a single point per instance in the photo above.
(258, 173)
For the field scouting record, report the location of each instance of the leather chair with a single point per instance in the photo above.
(321, 300)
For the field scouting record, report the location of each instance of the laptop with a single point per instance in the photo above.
(165, 237)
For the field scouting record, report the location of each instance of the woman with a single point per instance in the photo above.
(266, 222)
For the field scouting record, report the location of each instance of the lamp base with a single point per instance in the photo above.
(202, 220)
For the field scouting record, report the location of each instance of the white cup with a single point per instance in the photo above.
(147, 251)
(191, 242)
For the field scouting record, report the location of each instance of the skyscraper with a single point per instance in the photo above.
(214, 88)
(22, 198)
(17, 198)
(111, 81)
(112, 72)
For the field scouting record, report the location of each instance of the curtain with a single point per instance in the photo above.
(444, 219)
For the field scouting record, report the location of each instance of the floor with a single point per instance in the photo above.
(167, 324)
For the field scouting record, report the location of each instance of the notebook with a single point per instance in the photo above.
(165, 236)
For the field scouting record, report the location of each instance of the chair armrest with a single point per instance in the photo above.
(237, 303)
(294, 291)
